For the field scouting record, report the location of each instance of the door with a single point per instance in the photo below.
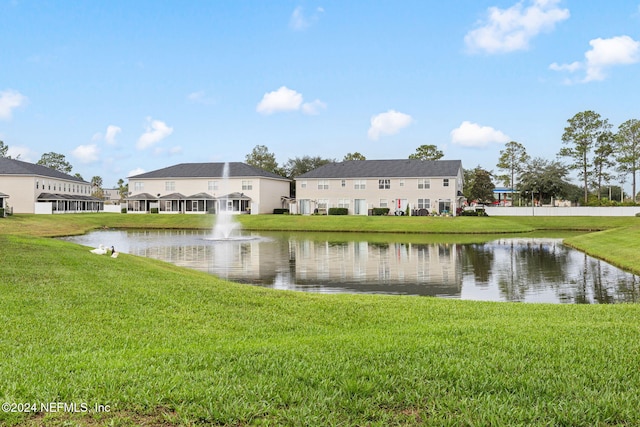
(360, 207)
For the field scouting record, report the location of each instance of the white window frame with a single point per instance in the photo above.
(424, 203)
(384, 184)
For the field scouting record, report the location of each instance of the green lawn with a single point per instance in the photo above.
(161, 346)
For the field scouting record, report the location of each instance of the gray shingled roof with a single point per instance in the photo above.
(403, 168)
(207, 170)
(18, 167)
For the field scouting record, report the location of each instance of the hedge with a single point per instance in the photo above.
(380, 211)
(338, 211)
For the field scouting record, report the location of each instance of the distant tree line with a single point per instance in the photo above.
(598, 155)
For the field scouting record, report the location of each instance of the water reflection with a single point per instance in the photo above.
(507, 269)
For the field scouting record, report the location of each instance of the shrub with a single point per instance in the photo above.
(1, 212)
(123, 210)
(280, 211)
(380, 211)
(338, 211)
(154, 210)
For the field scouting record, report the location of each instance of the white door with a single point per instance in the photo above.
(360, 207)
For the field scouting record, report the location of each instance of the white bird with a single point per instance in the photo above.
(114, 254)
(100, 250)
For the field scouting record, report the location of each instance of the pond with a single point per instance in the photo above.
(508, 268)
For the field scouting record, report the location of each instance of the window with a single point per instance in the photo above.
(303, 184)
(212, 185)
(384, 203)
(445, 182)
(343, 203)
(402, 183)
(37, 184)
(247, 185)
(170, 186)
(138, 186)
(323, 184)
(360, 184)
(424, 203)
(384, 184)
(424, 184)
(343, 183)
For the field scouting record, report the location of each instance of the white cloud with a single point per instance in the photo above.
(388, 123)
(574, 66)
(508, 30)
(110, 136)
(9, 100)
(200, 97)
(86, 153)
(156, 131)
(136, 171)
(285, 99)
(604, 54)
(313, 108)
(22, 153)
(299, 22)
(473, 135)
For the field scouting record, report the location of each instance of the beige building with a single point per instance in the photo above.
(421, 186)
(32, 188)
(205, 188)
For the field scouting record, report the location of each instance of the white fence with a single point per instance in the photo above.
(562, 211)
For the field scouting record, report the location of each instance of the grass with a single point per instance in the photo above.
(164, 346)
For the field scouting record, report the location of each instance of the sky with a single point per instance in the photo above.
(122, 87)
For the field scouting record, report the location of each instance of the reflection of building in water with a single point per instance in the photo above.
(405, 268)
(322, 266)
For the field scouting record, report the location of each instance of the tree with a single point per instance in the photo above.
(512, 160)
(260, 157)
(427, 152)
(482, 187)
(544, 179)
(627, 145)
(584, 130)
(301, 165)
(123, 189)
(602, 161)
(3, 149)
(55, 161)
(354, 156)
(96, 186)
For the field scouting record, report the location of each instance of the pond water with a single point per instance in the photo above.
(515, 268)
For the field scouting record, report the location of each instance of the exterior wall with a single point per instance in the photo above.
(264, 192)
(270, 193)
(404, 190)
(563, 211)
(23, 190)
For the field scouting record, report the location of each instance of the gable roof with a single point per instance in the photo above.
(402, 168)
(208, 170)
(18, 167)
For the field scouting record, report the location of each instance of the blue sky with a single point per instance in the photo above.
(123, 87)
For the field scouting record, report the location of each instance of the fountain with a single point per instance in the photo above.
(225, 224)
